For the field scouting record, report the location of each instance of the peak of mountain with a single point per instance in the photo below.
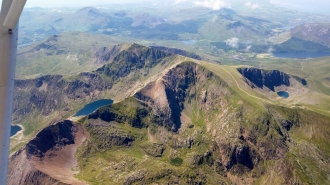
(146, 20)
(68, 53)
(90, 11)
(107, 54)
(315, 32)
(311, 37)
(178, 52)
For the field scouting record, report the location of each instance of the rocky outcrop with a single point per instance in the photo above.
(153, 149)
(268, 78)
(134, 59)
(105, 137)
(123, 113)
(54, 137)
(178, 52)
(48, 158)
(43, 94)
(106, 54)
(235, 25)
(22, 171)
(167, 97)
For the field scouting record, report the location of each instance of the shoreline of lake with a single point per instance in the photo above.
(18, 132)
(92, 107)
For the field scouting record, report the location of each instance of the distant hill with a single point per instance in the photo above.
(307, 38)
(316, 32)
(67, 53)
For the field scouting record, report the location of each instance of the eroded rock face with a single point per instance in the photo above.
(241, 154)
(22, 171)
(31, 94)
(48, 158)
(106, 54)
(154, 149)
(167, 97)
(268, 78)
(178, 51)
(105, 137)
(54, 137)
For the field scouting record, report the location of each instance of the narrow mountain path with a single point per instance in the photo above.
(151, 137)
(270, 102)
(237, 84)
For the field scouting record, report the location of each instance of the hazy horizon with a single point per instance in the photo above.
(63, 3)
(312, 6)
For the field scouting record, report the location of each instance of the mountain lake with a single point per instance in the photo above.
(301, 55)
(91, 107)
(14, 130)
(283, 94)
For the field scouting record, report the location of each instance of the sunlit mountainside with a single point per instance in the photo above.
(183, 93)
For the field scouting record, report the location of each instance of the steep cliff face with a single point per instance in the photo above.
(54, 137)
(48, 158)
(178, 52)
(267, 78)
(168, 95)
(22, 171)
(107, 54)
(136, 58)
(42, 94)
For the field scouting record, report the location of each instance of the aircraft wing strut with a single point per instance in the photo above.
(10, 13)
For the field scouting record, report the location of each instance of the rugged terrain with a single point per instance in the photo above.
(178, 117)
(51, 98)
(167, 24)
(195, 123)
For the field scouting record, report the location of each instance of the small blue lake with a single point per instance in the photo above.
(14, 129)
(283, 94)
(300, 55)
(90, 108)
(188, 42)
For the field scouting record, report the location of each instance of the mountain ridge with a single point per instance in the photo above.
(186, 100)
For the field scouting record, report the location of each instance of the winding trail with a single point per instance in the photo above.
(270, 102)
(243, 89)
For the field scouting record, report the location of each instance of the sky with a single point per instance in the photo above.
(64, 3)
(57, 3)
(314, 6)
